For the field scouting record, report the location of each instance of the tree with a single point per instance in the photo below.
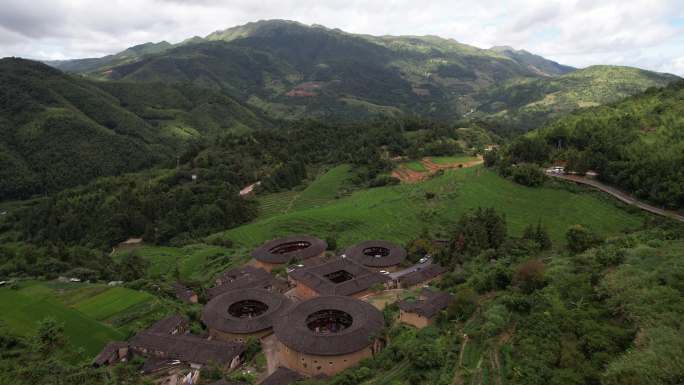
(50, 335)
(463, 304)
(529, 276)
(580, 239)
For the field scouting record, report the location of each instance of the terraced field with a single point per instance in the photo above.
(189, 260)
(85, 310)
(401, 212)
(323, 190)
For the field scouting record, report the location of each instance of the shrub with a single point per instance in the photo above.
(528, 174)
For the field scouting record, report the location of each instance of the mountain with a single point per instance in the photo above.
(534, 62)
(60, 131)
(125, 56)
(529, 102)
(291, 70)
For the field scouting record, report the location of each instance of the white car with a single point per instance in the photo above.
(424, 259)
(385, 272)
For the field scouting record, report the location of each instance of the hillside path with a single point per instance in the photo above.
(621, 195)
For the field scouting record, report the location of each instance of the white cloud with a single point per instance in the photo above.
(576, 32)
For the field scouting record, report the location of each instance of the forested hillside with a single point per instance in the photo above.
(528, 103)
(59, 130)
(636, 144)
(291, 70)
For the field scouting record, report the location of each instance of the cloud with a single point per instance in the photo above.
(576, 32)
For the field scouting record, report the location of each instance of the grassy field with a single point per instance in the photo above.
(452, 159)
(401, 212)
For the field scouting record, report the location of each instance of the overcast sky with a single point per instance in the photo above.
(642, 33)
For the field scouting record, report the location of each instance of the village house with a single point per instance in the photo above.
(421, 276)
(184, 294)
(193, 350)
(245, 278)
(113, 352)
(423, 311)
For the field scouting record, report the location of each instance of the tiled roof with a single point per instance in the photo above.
(215, 314)
(188, 348)
(363, 253)
(242, 278)
(282, 376)
(315, 277)
(267, 252)
(168, 325)
(108, 350)
(292, 330)
(422, 275)
(428, 305)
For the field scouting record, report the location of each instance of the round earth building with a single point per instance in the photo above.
(326, 335)
(279, 252)
(240, 314)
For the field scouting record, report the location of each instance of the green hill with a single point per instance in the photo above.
(401, 213)
(635, 144)
(59, 130)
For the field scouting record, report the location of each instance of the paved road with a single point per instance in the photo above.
(416, 267)
(621, 195)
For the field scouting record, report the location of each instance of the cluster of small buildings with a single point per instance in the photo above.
(317, 319)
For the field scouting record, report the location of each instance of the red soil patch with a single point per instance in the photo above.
(409, 176)
(307, 89)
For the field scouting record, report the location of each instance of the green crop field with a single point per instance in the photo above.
(92, 314)
(21, 310)
(401, 212)
(415, 165)
(111, 302)
(452, 159)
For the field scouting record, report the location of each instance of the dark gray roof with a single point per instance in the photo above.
(424, 274)
(188, 348)
(107, 352)
(363, 253)
(367, 323)
(155, 364)
(282, 376)
(226, 382)
(215, 314)
(242, 278)
(428, 305)
(168, 324)
(182, 292)
(314, 277)
(266, 252)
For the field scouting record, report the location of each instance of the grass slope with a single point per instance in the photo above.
(401, 212)
(22, 310)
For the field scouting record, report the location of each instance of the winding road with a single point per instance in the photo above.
(621, 195)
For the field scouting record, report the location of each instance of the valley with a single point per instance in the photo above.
(280, 203)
